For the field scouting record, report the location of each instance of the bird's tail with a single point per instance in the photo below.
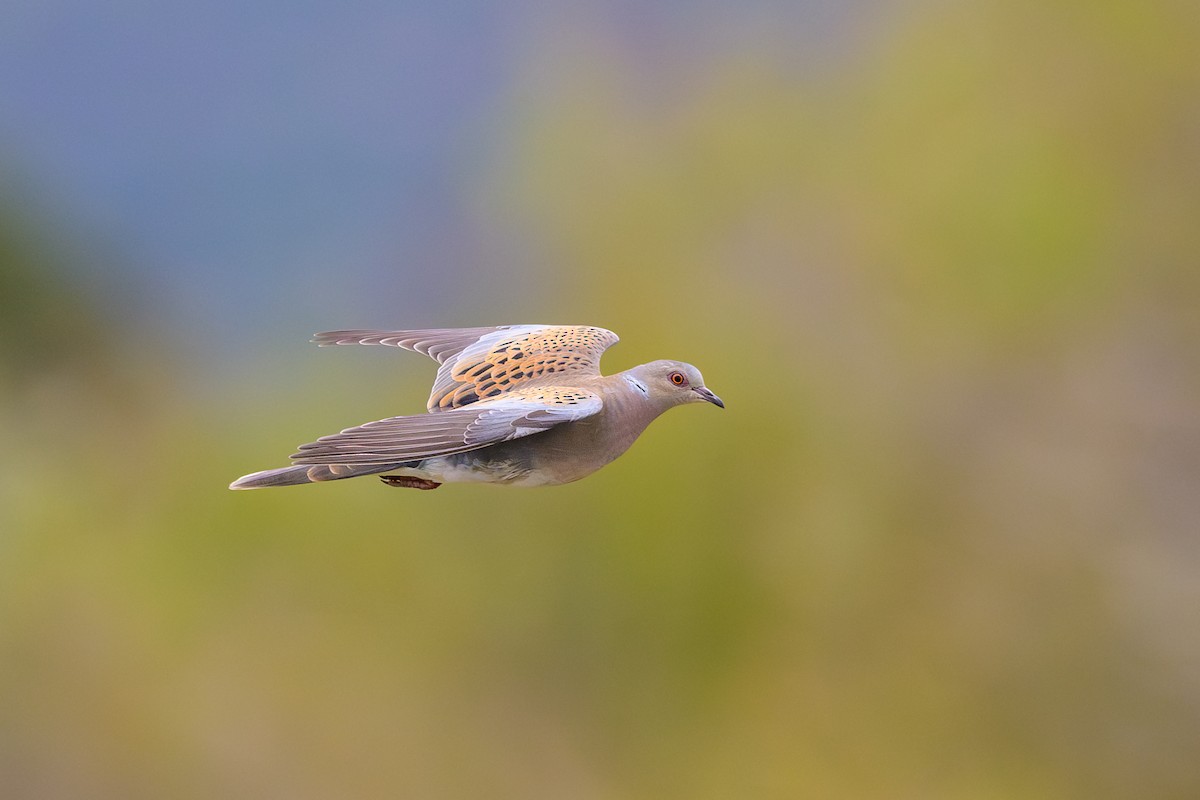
(306, 473)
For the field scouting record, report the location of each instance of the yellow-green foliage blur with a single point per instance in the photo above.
(943, 543)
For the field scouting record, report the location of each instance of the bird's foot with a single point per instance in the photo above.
(408, 482)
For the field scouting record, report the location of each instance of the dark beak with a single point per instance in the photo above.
(709, 396)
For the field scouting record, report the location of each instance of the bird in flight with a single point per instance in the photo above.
(524, 405)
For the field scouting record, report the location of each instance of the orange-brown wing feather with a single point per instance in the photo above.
(511, 358)
(482, 363)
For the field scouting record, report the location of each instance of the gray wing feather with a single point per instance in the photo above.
(397, 439)
(440, 344)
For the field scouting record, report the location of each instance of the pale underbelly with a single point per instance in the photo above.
(469, 468)
(558, 456)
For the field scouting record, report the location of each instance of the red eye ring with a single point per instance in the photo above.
(678, 379)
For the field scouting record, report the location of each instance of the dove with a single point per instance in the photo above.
(522, 405)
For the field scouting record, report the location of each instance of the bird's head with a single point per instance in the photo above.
(673, 383)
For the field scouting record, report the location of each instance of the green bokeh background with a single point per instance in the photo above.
(943, 543)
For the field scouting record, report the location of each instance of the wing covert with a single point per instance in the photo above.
(484, 363)
(511, 358)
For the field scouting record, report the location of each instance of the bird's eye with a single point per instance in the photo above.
(678, 379)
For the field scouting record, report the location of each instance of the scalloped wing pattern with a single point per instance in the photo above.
(481, 363)
(509, 358)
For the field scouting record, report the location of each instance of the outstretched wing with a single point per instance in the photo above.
(483, 363)
(522, 412)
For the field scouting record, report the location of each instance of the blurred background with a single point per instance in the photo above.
(940, 260)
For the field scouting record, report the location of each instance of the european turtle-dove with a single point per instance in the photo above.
(518, 404)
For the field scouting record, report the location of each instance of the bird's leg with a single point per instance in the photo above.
(408, 482)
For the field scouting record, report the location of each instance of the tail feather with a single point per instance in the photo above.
(306, 473)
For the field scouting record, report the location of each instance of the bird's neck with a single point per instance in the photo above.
(630, 400)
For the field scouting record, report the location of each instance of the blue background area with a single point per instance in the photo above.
(315, 165)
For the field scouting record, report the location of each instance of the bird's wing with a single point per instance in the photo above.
(518, 413)
(483, 363)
